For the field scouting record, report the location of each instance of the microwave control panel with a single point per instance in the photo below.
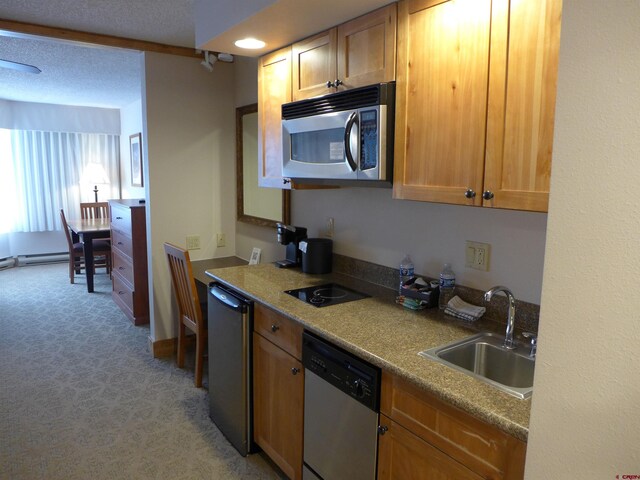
(368, 139)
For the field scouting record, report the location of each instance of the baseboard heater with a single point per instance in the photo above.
(7, 263)
(24, 260)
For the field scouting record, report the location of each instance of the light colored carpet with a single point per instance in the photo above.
(82, 398)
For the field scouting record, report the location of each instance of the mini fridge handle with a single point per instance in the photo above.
(227, 299)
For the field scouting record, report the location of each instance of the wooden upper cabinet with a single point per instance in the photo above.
(441, 99)
(367, 49)
(522, 94)
(475, 101)
(355, 54)
(314, 64)
(274, 89)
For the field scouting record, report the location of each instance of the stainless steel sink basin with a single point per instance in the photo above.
(483, 356)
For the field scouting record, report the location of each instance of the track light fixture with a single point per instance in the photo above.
(211, 58)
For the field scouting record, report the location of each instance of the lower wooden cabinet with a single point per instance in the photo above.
(428, 438)
(403, 455)
(278, 392)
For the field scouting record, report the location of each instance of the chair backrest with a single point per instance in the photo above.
(184, 284)
(67, 233)
(94, 210)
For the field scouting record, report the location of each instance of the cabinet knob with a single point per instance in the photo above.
(382, 429)
(487, 195)
(275, 328)
(286, 180)
(337, 82)
(329, 84)
(470, 193)
(294, 371)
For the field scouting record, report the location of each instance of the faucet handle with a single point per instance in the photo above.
(533, 341)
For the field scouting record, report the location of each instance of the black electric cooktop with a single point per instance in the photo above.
(327, 294)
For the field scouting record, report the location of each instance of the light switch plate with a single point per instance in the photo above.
(477, 255)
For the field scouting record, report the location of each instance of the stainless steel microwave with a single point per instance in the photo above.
(341, 138)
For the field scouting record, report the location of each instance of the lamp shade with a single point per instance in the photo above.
(94, 173)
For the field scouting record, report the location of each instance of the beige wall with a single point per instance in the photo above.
(189, 153)
(371, 226)
(585, 418)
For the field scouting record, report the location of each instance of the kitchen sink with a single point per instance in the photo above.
(484, 357)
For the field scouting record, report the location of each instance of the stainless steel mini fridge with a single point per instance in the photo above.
(230, 382)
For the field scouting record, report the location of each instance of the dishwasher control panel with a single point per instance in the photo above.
(343, 370)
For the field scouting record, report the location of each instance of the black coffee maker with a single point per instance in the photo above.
(291, 237)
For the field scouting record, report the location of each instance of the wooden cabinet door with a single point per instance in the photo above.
(402, 455)
(522, 96)
(367, 49)
(314, 64)
(441, 99)
(278, 391)
(274, 89)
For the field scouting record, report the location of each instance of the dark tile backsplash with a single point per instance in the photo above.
(527, 314)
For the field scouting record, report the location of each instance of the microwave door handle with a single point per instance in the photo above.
(353, 118)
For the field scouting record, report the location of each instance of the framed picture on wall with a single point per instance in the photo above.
(135, 148)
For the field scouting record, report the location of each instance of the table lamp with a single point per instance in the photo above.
(94, 173)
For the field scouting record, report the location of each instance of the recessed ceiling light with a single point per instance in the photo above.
(250, 43)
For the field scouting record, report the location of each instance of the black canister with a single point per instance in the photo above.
(317, 255)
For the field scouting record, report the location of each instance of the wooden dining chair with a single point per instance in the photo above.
(190, 311)
(101, 252)
(94, 210)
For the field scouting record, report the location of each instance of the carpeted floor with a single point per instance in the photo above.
(82, 398)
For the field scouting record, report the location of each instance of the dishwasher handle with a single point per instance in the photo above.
(227, 298)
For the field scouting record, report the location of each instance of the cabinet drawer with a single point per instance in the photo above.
(122, 242)
(280, 330)
(483, 448)
(121, 218)
(123, 294)
(122, 266)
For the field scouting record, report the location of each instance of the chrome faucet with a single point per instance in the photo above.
(511, 313)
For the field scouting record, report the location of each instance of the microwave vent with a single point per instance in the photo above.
(379, 94)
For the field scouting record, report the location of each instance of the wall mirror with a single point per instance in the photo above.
(256, 205)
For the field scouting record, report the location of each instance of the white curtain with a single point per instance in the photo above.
(50, 172)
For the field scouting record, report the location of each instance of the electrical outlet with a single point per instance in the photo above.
(330, 227)
(221, 240)
(193, 242)
(477, 255)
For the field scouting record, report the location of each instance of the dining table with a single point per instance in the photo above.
(85, 231)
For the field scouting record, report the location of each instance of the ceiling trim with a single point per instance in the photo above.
(14, 28)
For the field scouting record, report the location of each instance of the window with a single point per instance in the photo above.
(42, 172)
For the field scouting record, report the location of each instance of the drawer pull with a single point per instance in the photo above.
(118, 218)
(275, 328)
(120, 292)
(120, 268)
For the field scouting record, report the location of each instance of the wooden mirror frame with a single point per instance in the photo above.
(286, 194)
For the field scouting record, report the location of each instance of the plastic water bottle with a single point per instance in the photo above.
(447, 285)
(406, 271)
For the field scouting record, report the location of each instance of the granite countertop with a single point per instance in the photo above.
(385, 334)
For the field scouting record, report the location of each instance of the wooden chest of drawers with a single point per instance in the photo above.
(129, 257)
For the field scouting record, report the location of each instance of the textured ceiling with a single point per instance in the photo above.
(71, 74)
(74, 74)
(163, 21)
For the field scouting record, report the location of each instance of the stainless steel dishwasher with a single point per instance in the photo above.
(230, 382)
(341, 410)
